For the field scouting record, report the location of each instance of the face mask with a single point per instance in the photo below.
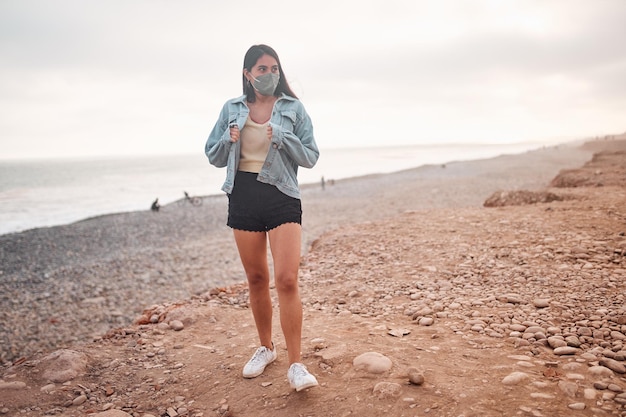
(266, 84)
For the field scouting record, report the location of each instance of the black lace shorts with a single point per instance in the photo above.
(258, 207)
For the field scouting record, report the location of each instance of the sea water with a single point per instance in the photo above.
(39, 193)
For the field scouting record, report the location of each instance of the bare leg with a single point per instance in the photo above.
(285, 245)
(252, 248)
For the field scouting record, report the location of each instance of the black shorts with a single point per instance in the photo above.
(258, 207)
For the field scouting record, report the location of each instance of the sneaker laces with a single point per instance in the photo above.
(260, 356)
(299, 370)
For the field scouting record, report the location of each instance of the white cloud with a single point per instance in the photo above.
(150, 76)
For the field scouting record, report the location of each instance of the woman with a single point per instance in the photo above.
(261, 138)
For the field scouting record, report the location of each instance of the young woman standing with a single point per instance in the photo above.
(262, 138)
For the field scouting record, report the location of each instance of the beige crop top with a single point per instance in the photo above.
(254, 146)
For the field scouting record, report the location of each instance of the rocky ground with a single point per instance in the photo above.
(436, 308)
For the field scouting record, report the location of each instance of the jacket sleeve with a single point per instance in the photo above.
(218, 144)
(300, 144)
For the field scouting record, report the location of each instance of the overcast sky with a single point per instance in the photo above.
(132, 77)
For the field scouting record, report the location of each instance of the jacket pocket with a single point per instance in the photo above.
(233, 118)
(288, 120)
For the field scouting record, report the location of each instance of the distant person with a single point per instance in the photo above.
(323, 183)
(186, 195)
(261, 138)
(155, 205)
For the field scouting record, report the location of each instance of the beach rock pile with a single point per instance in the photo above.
(521, 197)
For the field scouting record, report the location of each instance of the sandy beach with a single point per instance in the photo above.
(410, 265)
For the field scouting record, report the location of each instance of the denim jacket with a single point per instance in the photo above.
(292, 144)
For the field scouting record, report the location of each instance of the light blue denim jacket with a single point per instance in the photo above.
(292, 144)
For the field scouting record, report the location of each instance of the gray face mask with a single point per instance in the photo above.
(266, 84)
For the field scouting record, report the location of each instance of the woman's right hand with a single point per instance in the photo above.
(234, 133)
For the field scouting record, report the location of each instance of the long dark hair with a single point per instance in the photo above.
(252, 56)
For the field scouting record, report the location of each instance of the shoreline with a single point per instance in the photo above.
(338, 189)
(75, 282)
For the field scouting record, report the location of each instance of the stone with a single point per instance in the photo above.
(511, 298)
(516, 327)
(590, 393)
(399, 332)
(568, 388)
(176, 325)
(600, 385)
(112, 413)
(600, 371)
(384, 390)
(613, 365)
(47, 389)
(372, 362)
(573, 341)
(555, 342)
(615, 335)
(415, 376)
(64, 365)
(566, 350)
(13, 385)
(426, 321)
(79, 400)
(515, 378)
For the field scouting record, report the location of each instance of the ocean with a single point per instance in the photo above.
(41, 193)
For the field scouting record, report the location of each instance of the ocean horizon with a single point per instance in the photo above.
(44, 193)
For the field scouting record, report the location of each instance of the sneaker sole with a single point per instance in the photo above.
(305, 386)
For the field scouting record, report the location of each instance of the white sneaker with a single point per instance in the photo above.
(300, 378)
(261, 358)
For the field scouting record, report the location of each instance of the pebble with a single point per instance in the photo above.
(415, 376)
(541, 302)
(590, 393)
(79, 400)
(13, 385)
(515, 378)
(600, 371)
(566, 350)
(384, 390)
(399, 332)
(112, 413)
(577, 406)
(426, 321)
(613, 365)
(48, 388)
(176, 325)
